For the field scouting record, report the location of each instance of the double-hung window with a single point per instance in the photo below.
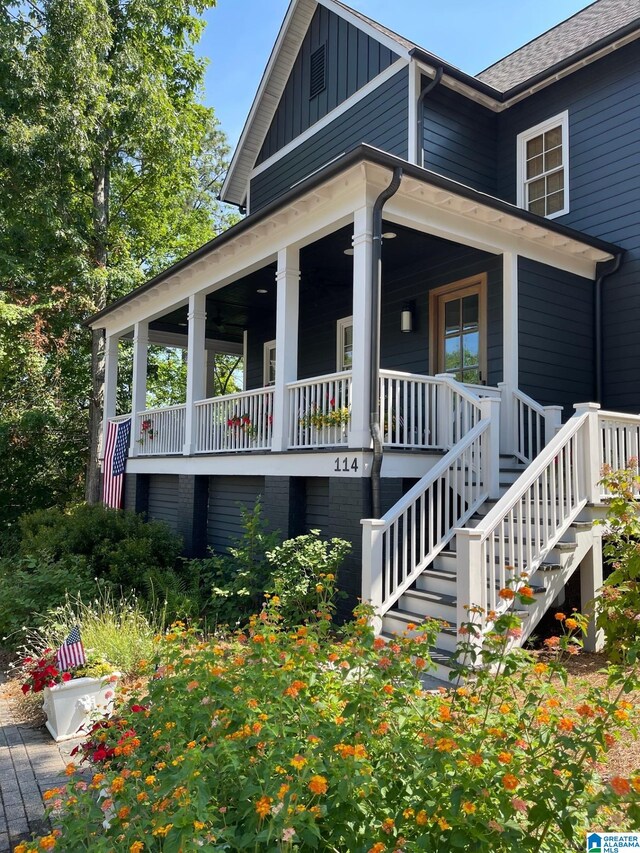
(344, 340)
(269, 363)
(543, 167)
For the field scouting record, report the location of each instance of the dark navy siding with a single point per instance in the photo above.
(380, 119)
(555, 327)
(352, 60)
(445, 265)
(460, 139)
(316, 515)
(227, 497)
(163, 499)
(603, 101)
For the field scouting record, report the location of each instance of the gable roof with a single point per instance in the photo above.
(582, 30)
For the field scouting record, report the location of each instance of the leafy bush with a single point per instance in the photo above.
(304, 574)
(119, 546)
(238, 579)
(119, 629)
(280, 740)
(31, 584)
(619, 603)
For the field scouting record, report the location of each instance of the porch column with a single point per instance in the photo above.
(110, 386)
(139, 384)
(287, 310)
(359, 433)
(509, 350)
(196, 360)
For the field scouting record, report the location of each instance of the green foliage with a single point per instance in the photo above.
(618, 606)
(116, 629)
(238, 579)
(304, 572)
(118, 546)
(273, 740)
(31, 584)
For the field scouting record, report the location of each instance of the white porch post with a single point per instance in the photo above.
(509, 350)
(490, 409)
(110, 386)
(287, 308)
(591, 463)
(359, 432)
(139, 384)
(591, 580)
(196, 359)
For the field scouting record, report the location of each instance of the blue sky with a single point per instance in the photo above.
(468, 33)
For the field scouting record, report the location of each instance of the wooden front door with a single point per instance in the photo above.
(458, 313)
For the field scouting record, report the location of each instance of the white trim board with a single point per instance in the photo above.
(326, 120)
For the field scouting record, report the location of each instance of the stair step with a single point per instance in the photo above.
(430, 604)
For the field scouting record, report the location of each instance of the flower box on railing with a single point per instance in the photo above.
(71, 705)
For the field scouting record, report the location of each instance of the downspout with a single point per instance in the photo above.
(421, 99)
(374, 367)
(603, 269)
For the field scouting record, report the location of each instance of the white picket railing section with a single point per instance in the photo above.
(526, 524)
(119, 418)
(235, 422)
(619, 442)
(526, 425)
(400, 545)
(160, 432)
(319, 411)
(408, 410)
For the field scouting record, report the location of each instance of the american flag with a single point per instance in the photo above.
(115, 458)
(71, 652)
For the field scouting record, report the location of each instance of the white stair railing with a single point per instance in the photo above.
(400, 545)
(526, 425)
(320, 411)
(526, 524)
(160, 431)
(235, 422)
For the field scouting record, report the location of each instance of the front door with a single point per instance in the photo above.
(459, 329)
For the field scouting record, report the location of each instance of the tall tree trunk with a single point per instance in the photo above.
(100, 228)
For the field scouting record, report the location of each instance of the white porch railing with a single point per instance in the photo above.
(319, 411)
(160, 431)
(526, 425)
(235, 422)
(619, 442)
(399, 546)
(119, 418)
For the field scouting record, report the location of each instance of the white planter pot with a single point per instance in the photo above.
(71, 706)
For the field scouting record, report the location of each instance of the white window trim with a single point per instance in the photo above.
(268, 345)
(341, 325)
(561, 119)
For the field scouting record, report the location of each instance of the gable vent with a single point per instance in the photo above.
(318, 71)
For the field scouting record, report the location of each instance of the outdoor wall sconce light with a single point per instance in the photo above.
(406, 318)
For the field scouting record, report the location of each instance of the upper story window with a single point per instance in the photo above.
(269, 363)
(543, 167)
(318, 77)
(344, 339)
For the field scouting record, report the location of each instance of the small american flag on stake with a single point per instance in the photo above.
(71, 652)
(116, 450)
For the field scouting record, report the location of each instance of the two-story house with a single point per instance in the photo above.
(434, 270)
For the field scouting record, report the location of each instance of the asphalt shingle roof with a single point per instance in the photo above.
(583, 29)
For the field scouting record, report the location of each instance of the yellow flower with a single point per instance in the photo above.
(422, 818)
(442, 823)
(571, 624)
(163, 830)
(298, 761)
(198, 825)
(468, 808)
(263, 806)
(136, 847)
(48, 842)
(117, 784)
(150, 780)
(318, 785)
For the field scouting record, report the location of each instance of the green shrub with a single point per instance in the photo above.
(118, 629)
(32, 584)
(304, 571)
(119, 547)
(618, 607)
(274, 740)
(237, 580)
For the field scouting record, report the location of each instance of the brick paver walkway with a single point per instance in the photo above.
(30, 763)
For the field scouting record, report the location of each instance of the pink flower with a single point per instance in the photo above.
(108, 694)
(519, 805)
(514, 633)
(287, 834)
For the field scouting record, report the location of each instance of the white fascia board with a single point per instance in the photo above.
(178, 341)
(385, 39)
(342, 108)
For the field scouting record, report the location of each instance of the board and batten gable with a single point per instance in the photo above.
(352, 59)
(556, 335)
(460, 139)
(603, 102)
(379, 119)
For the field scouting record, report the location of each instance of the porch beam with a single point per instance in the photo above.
(287, 311)
(139, 383)
(110, 386)
(359, 432)
(196, 361)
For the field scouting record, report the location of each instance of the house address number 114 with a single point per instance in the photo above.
(343, 465)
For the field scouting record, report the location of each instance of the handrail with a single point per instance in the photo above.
(398, 547)
(116, 419)
(160, 409)
(527, 522)
(325, 377)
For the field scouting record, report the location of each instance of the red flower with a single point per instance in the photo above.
(66, 676)
(137, 708)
